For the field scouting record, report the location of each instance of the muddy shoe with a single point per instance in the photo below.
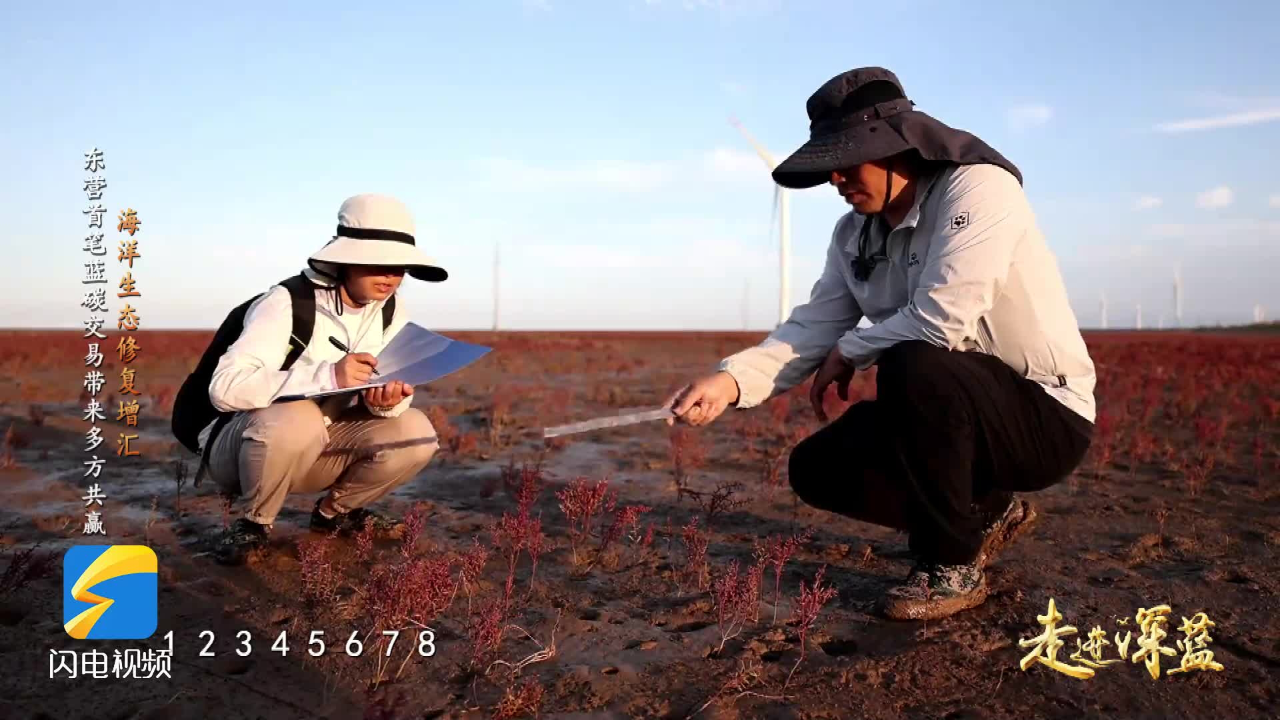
(1017, 518)
(242, 538)
(350, 523)
(935, 591)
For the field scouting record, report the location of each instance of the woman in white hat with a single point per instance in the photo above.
(264, 450)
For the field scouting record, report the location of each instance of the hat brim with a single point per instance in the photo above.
(878, 139)
(812, 164)
(352, 251)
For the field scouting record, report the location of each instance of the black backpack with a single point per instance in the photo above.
(192, 409)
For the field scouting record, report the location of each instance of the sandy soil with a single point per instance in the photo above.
(1177, 504)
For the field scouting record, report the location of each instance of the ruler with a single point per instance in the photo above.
(608, 422)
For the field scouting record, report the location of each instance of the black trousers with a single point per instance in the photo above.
(940, 451)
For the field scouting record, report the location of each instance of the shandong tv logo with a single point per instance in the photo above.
(109, 592)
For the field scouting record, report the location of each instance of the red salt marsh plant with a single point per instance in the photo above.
(687, 454)
(695, 558)
(736, 596)
(581, 501)
(320, 574)
(521, 531)
(626, 521)
(776, 551)
(523, 699)
(24, 566)
(807, 607)
(408, 594)
(471, 563)
(499, 416)
(484, 630)
(414, 521)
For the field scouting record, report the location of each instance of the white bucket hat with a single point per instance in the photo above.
(375, 230)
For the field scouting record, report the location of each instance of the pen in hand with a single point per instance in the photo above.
(338, 344)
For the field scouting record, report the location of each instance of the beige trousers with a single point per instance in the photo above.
(266, 454)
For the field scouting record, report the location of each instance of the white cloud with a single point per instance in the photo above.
(734, 165)
(1023, 117)
(1252, 117)
(1218, 197)
(614, 175)
(1245, 230)
(1148, 202)
(1274, 201)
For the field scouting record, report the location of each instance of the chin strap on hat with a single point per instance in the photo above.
(863, 264)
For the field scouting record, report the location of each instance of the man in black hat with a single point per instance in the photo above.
(984, 386)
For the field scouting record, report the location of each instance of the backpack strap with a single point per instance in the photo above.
(302, 293)
(388, 312)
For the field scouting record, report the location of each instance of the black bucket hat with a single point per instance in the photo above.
(863, 115)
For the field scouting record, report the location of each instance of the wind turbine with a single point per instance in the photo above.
(1102, 310)
(1177, 295)
(782, 210)
(1138, 319)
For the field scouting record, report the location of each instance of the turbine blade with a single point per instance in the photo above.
(760, 150)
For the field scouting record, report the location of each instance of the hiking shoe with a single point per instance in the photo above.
(1015, 520)
(350, 523)
(242, 538)
(935, 591)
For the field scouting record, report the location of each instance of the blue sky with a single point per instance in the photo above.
(591, 139)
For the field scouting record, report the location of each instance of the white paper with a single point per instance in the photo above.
(415, 356)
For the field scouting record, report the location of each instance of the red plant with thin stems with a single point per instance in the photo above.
(499, 415)
(520, 700)
(807, 607)
(25, 565)
(580, 501)
(414, 521)
(695, 546)
(749, 430)
(625, 520)
(484, 629)
(511, 535)
(524, 484)
(736, 596)
(777, 551)
(470, 566)
(320, 577)
(687, 454)
(1198, 472)
(410, 592)
(535, 545)
(364, 542)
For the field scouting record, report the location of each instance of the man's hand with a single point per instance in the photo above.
(834, 369)
(355, 369)
(702, 400)
(389, 395)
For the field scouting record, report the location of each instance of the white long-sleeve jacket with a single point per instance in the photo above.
(967, 269)
(248, 376)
